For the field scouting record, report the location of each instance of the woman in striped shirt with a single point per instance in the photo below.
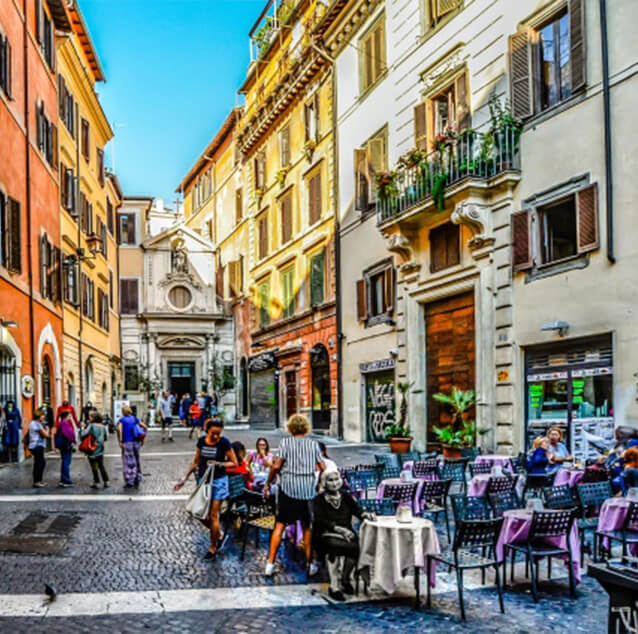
(298, 460)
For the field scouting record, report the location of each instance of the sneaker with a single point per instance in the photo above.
(171, 439)
(313, 569)
(336, 595)
(40, 485)
(270, 569)
(348, 588)
(94, 485)
(106, 485)
(65, 485)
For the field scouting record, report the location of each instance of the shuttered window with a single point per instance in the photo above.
(10, 234)
(436, 10)
(66, 105)
(286, 218)
(547, 63)
(371, 158)
(259, 171)
(262, 228)
(103, 309)
(85, 140)
(67, 189)
(314, 198)
(288, 293)
(71, 282)
(311, 119)
(445, 247)
(88, 297)
(47, 136)
(129, 302)
(126, 227)
(100, 166)
(372, 47)
(317, 278)
(375, 294)
(5, 65)
(111, 294)
(239, 206)
(284, 147)
(235, 277)
(521, 240)
(264, 304)
(110, 216)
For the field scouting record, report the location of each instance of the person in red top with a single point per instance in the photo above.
(242, 468)
(66, 407)
(195, 412)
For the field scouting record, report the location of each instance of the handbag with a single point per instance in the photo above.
(198, 504)
(139, 433)
(89, 444)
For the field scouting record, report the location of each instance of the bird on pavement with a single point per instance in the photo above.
(50, 592)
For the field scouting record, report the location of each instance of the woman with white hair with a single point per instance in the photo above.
(298, 460)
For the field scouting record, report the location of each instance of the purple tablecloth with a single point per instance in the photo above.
(612, 517)
(494, 459)
(417, 497)
(516, 526)
(568, 476)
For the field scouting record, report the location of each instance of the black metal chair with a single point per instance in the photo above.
(480, 467)
(545, 525)
(558, 497)
(469, 507)
(518, 463)
(534, 482)
(434, 500)
(408, 456)
(628, 533)
(388, 460)
(504, 501)
(426, 469)
(402, 493)
(428, 455)
(470, 453)
(474, 547)
(454, 470)
(591, 496)
(390, 472)
(500, 484)
(383, 506)
(361, 481)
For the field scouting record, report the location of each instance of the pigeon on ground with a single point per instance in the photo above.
(50, 592)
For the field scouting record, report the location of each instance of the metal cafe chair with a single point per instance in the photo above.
(401, 493)
(474, 547)
(454, 470)
(480, 467)
(591, 496)
(382, 506)
(499, 484)
(558, 497)
(628, 533)
(545, 524)
(390, 472)
(434, 500)
(426, 469)
(360, 482)
(534, 482)
(504, 501)
(408, 456)
(469, 507)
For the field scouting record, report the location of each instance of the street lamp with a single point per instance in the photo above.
(93, 243)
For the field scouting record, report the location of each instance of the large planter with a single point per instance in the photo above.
(400, 444)
(451, 453)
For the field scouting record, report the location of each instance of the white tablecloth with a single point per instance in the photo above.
(391, 549)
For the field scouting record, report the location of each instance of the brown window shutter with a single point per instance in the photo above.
(361, 181)
(61, 98)
(131, 229)
(286, 219)
(587, 219)
(378, 50)
(362, 308)
(443, 7)
(438, 249)
(389, 289)
(315, 198)
(453, 246)
(463, 116)
(577, 44)
(54, 146)
(521, 240)
(368, 54)
(421, 127)
(38, 21)
(15, 237)
(8, 54)
(316, 114)
(306, 121)
(521, 75)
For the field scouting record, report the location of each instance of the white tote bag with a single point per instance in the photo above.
(198, 504)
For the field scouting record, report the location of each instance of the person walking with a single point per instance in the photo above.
(12, 429)
(38, 435)
(213, 448)
(64, 442)
(195, 414)
(299, 458)
(128, 437)
(166, 416)
(97, 429)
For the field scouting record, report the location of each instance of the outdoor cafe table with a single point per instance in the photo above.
(612, 517)
(496, 460)
(395, 481)
(569, 476)
(478, 485)
(390, 549)
(516, 526)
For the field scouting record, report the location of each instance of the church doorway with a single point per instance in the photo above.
(181, 377)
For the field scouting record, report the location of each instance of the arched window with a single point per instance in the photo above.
(46, 381)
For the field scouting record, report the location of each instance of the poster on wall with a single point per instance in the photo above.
(380, 398)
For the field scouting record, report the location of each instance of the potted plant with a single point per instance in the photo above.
(461, 432)
(281, 175)
(386, 184)
(398, 433)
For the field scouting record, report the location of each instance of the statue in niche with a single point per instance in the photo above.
(179, 262)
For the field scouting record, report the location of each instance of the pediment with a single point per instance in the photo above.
(181, 342)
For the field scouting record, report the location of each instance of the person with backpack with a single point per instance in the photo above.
(64, 443)
(130, 434)
(94, 435)
(36, 441)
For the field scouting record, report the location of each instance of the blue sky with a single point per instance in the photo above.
(172, 71)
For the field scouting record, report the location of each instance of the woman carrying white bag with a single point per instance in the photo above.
(213, 455)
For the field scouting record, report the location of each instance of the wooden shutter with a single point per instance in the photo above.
(421, 127)
(307, 114)
(315, 103)
(463, 116)
(130, 238)
(61, 98)
(453, 246)
(521, 75)
(587, 219)
(263, 236)
(438, 249)
(521, 240)
(367, 62)
(38, 21)
(284, 140)
(389, 289)
(362, 308)
(15, 239)
(286, 218)
(378, 50)
(54, 146)
(314, 198)
(361, 180)
(443, 7)
(317, 279)
(577, 44)
(376, 163)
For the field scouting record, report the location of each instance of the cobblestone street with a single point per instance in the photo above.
(145, 552)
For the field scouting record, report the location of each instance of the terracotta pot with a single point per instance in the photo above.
(453, 453)
(400, 444)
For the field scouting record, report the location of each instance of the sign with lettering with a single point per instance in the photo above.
(380, 404)
(262, 362)
(377, 366)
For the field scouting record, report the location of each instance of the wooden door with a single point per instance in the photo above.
(291, 393)
(450, 353)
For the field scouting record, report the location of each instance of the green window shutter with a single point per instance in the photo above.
(264, 301)
(317, 279)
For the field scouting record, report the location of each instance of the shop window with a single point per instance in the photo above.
(372, 55)
(8, 387)
(547, 63)
(445, 247)
(371, 158)
(376, 294)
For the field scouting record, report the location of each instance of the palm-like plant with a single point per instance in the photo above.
(459, 401)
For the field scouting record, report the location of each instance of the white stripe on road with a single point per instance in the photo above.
(44, 497)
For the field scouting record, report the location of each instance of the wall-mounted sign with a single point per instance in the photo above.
(503, 375)
(27, 386)
(262, 362)
(377, 366)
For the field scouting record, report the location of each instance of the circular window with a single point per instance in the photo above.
(179, 296)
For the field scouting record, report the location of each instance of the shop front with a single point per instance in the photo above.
(263, 390)
(570, 385)
(379, 397)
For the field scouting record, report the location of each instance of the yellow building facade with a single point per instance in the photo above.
(89, 199)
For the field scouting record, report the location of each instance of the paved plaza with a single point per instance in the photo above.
(125, 560)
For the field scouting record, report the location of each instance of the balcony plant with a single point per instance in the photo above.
(263, 36)
(398, 433)
(386, 185)
(309, 148)
(413, 158)
(505, 129)
(282, 172)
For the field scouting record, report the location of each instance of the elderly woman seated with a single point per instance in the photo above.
(333, 534)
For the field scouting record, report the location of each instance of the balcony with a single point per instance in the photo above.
(422, 180)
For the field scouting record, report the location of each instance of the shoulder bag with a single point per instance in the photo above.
(198, 504)
(89, 444)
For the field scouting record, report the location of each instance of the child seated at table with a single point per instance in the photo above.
(242, 468)
(538, 459)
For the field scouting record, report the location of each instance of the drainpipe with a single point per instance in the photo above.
(337, 239)
(609, 191)
(79, 239)
(27, 115)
